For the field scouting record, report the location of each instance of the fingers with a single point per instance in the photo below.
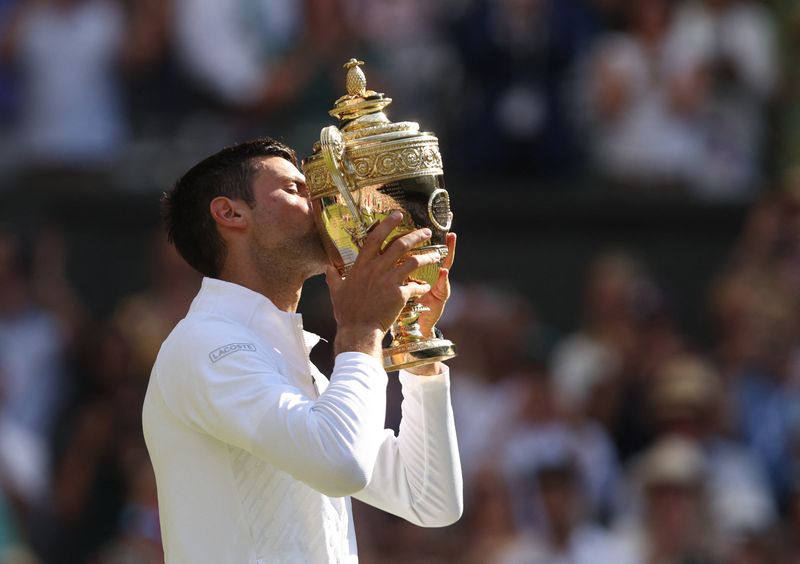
(376, 237)
(441, 290)
(414, 290)
(451, 250)
(412, 262)
(402, 245)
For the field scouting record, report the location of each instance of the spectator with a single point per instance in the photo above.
(489, 529)
(101, 428)
(625, 333)
(674, 525)
(514, 107)
(768, 416)
(643, 110)
(145, 319)
(239, 51)
(31, 377)
(68, 53)
(755, 308)
(685, 402)
(8, 86)
(249, 61)
(139, 539)
(491, 325)
(545, 435)
(414, 62)
(733, 44)
(565, 537)
(609, 328)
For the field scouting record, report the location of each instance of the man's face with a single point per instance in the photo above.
(282, 222)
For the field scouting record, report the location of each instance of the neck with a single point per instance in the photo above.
(279, 287)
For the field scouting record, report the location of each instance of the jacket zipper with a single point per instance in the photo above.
(306, 355)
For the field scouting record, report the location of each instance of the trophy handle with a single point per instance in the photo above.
(332, 148)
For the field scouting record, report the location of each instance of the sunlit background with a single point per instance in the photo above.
(625, 177)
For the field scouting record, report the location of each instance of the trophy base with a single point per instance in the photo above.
(417, 354)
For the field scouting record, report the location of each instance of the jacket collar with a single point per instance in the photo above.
(247, 307)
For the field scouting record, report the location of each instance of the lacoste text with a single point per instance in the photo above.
(221, 352)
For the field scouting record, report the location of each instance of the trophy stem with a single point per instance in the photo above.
(409, 346)
(406, 329)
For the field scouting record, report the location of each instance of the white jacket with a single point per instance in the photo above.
(255, 452)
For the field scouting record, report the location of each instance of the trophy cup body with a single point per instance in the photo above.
(358, 175)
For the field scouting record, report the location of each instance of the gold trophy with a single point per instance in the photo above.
(357, 175)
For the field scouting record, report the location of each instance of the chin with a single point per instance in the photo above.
(315, 270)
(317, 262)
(319, 252)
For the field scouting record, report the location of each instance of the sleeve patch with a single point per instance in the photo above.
(225, 350)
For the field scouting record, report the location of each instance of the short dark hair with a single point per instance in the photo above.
(187, 216)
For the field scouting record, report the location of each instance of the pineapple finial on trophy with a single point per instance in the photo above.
(356, 81)
(358, 101)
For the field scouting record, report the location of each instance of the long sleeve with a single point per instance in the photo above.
(330, 443)
(417, 475)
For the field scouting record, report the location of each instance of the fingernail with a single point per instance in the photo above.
(427, 232)
(396, 215)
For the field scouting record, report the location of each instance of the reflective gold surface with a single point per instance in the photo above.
(361, 172)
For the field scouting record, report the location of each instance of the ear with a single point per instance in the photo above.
(229, 213)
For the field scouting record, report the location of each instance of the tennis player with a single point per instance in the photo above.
(256, 453)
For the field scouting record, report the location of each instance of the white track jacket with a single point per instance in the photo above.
(255, 452)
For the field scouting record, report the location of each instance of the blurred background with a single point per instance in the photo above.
(625, 177)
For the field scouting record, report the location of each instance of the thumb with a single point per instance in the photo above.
(440, 290)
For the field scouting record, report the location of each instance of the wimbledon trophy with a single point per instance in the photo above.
(357, 175)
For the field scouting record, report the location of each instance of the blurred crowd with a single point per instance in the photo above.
(683, 96)
(627, 441)
(620, 440)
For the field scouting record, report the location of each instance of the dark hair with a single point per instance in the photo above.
(187, 216)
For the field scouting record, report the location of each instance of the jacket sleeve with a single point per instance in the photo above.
(417, 474)
(330, 443)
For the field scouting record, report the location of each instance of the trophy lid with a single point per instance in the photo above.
(359, 102)
(374, 150)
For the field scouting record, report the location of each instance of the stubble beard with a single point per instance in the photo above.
(296, 259)
(316, 257)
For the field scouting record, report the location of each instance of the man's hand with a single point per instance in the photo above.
(440, 292)
(369, 300)
(435, 300)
